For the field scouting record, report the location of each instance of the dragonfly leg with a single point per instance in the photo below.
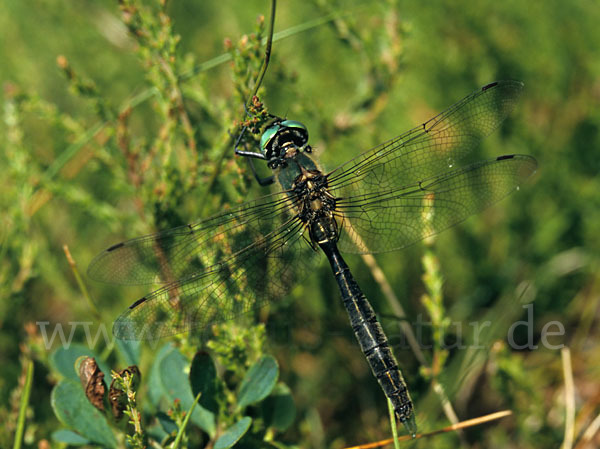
(252, 155)
(262, 181)
(244, 153)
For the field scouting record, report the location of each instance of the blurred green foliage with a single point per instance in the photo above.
(113, 127)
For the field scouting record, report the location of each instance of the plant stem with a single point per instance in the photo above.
(23, 407)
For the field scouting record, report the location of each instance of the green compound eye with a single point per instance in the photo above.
(294, 124)
(294, 131)
(298, 130)
(267, 136)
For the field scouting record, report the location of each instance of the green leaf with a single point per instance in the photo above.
(130, 350)
(157, 433)
(74, 410)
(155, 388)
(259, 381)
(233, 434)
(69, 437)
(279, 409)
(166, 423)
(176, 385)
(63, 360)
(203, 379)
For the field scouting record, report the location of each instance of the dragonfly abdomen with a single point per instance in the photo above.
(371, 337)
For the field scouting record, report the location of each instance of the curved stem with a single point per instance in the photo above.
(263, 69)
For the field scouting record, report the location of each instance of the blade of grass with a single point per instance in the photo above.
(80, 282)
(393, 424)
(565, 354)
(70, 151)
(23, 407)
(177, 440)
(226, 57)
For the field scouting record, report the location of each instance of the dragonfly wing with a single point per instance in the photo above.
(434, 150)
(397, 217)
(431, 148)
(262, 272)
(181, 252)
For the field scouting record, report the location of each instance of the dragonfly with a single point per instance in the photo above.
(391, 196)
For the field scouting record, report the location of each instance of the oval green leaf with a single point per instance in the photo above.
(155, 389)
(69, 437)
(259, 381)
(74, 410)
(63, 360)
(130, 350)
(279, 409)
(176, 385)
(203, 379)
(166, 423)
(233, 434)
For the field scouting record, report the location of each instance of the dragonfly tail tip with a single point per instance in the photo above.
(410, 425)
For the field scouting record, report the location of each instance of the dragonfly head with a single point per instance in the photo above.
(282, 136)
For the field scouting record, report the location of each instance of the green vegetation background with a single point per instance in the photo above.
(80, 168)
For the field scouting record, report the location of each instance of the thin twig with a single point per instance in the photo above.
(438, 388)
(394, 303)
(80, 283)
(457, 426)
(569, 399)
(588, 434)
(176, 98)
(398, 310)
(268, 47)
(23, 407)
(226, 148)
(152, 92)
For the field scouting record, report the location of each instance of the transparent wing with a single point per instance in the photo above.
(397, 217)
(261, 272)
(187, 250)
(436, 147)
(213, 270)
(432, 147)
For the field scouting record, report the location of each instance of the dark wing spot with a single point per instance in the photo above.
(112, 248)
(489, 86)
(508, 156)
(137, 303)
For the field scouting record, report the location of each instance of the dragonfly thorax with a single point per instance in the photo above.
(316, 205)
